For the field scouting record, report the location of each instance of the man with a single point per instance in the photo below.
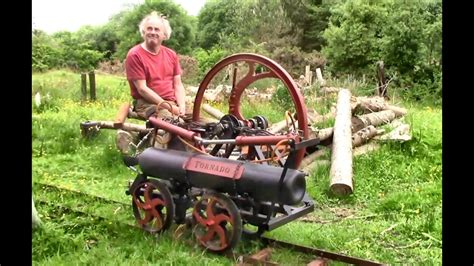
(153, 71)
(154, 75)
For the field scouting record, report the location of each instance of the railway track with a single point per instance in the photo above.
(322, 257)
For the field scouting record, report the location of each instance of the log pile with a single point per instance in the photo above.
(355, 124)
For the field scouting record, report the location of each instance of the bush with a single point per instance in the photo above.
(207, 59)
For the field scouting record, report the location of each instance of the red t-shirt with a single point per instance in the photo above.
(158, 70)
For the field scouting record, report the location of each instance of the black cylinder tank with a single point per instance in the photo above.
(224, 175)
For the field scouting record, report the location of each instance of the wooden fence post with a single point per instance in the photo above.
(84, 86)
(308, 75)
(319, 76)
(92, 85)
(382, 82)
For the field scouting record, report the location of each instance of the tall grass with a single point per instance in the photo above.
(393, 216)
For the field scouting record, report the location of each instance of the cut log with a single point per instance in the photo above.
(212, 111)
(277, 127)
(324, 135)
(377, 104)
(399, 111)
(363, 136)
(341, 157)
(311, 158)
(371, 104)
(374, 119)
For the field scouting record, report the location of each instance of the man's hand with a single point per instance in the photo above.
(170, 106)
(175, 110)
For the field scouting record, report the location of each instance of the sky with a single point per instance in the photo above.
(56, 15)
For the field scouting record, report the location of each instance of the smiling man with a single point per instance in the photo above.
(153, 71)
(154, 75)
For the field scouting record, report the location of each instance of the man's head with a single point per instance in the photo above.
(154, 28)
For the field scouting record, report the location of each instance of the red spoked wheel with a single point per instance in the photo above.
(217, 224)
(153, 206)
(244, 69)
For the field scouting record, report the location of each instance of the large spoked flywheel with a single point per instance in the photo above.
(243, 70)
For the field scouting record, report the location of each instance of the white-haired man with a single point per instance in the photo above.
(154, 76)
(153, 71)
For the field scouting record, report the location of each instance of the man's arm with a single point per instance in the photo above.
(150, 96)
(180, 94)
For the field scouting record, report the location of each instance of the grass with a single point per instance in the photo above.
(393, 216)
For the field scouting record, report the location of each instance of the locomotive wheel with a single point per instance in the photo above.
(217, 224)
(267, 68)
(153, 206)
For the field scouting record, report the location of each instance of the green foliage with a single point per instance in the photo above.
(407, 37)
(309, 18)
(218, 20)
(353, 36)
(102, 38)
(207, 59)
(44, 52)
(62, 49)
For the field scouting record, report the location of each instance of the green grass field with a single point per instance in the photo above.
(393, 216)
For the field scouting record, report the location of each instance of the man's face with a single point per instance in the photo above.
(154, 32)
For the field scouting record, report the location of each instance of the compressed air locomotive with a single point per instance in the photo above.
(227, 177)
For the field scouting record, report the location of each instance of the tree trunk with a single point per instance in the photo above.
(341, 157)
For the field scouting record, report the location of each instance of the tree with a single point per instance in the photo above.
(309, 19)
(219, 20)
(406, 35)
(76, 54)
(353, 36)
(102, 38)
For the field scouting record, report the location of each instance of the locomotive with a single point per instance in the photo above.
(227, 177)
